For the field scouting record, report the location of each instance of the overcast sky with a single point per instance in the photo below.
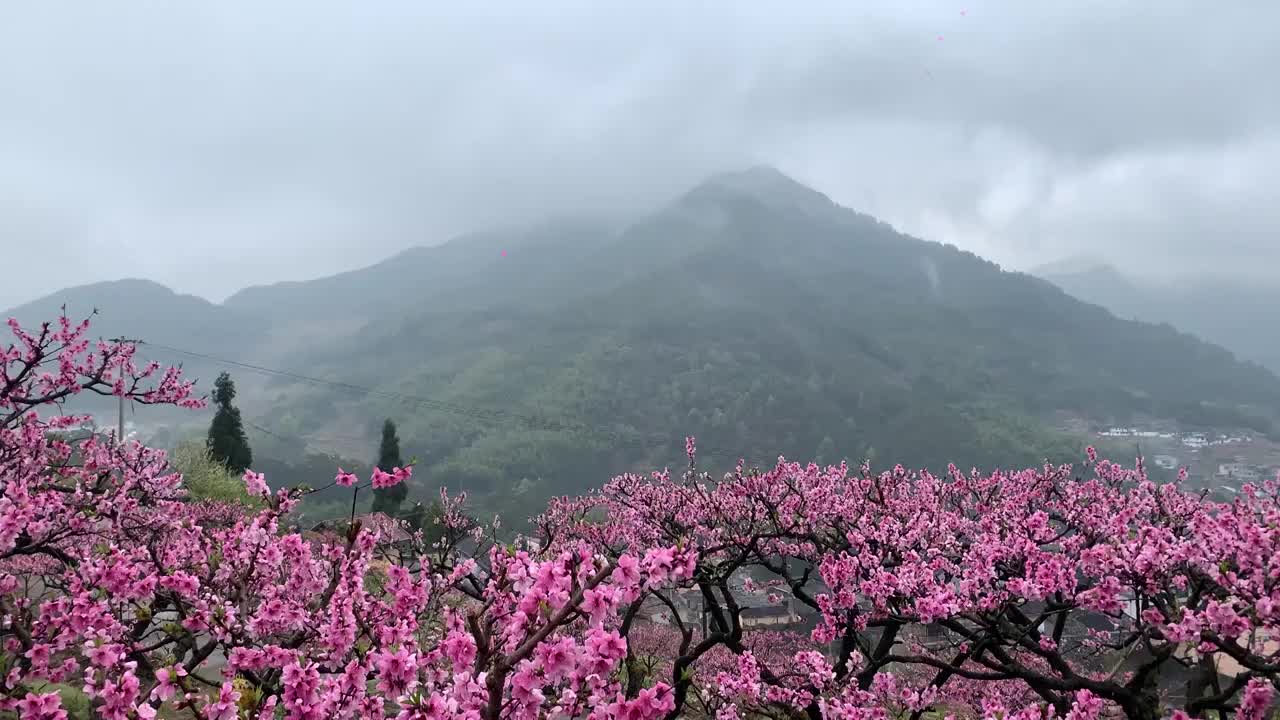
(213, 145)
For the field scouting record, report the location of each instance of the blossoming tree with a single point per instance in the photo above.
(1028, 594)
(1009, 593)
(109, 580)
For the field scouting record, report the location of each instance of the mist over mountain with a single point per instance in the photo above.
(1236, 313)
(145, 310)
(750, 311)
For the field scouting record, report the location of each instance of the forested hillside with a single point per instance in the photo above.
(751, 312)
(1238, 314)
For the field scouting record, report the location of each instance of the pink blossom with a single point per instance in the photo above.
(383, 479)
(256, 484)
(167, 682)
(47, 706)
(1257, 698)
(354, 623)
(396, 671)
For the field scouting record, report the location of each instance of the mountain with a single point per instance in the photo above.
(758, 315)
(428, 276)
(1227, 311)
(142, 309)
(750, 311)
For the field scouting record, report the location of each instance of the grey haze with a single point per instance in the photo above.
(212, 146)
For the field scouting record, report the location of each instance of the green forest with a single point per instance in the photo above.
(750, 312)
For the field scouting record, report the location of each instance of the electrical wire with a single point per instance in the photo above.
(491, 416)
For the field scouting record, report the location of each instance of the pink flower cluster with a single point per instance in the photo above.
(994, 595)
(382, 479)
(1019, 582)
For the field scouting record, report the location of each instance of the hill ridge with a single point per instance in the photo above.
(750, 311)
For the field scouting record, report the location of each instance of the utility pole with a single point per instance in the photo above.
(120, 416)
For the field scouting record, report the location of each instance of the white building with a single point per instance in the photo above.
(1239, 471)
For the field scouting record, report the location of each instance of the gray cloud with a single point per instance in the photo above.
(214, 145)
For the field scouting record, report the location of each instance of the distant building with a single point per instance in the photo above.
(773, 608)
(1194, 441)
(528, 543)
(1239, 471)
(687, 602)
(1168, 462)
(768, 616)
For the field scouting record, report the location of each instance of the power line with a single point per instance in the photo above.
(494, 416)
(296, 439)
(497, 415)
(476, 413)
(271, 432)
(120, 426)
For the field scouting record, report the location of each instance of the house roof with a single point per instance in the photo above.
(766, 611)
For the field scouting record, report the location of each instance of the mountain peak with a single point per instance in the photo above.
(760, 179)
(82, 298)
(764, 184)
(136, 286)
(756, 175)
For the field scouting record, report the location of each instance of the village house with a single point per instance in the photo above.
(1239, 471)
(768, 616)
(760, 607)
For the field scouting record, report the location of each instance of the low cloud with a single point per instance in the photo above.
(212, 146)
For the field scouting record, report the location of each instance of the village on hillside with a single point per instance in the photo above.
(1223, 461)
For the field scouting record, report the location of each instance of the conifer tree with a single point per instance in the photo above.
(388, 500)
(227, 442)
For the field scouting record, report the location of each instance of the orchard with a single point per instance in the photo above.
(1052, 592)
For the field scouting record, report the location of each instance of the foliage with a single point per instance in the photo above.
(1222, 310)
(204, 478)
(227, 442)
(1032, 594)
(915, 350)
(388, 500)
(74, 702)
(758, 316)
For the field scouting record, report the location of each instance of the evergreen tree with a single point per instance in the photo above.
(227, 442)
(387, 500)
